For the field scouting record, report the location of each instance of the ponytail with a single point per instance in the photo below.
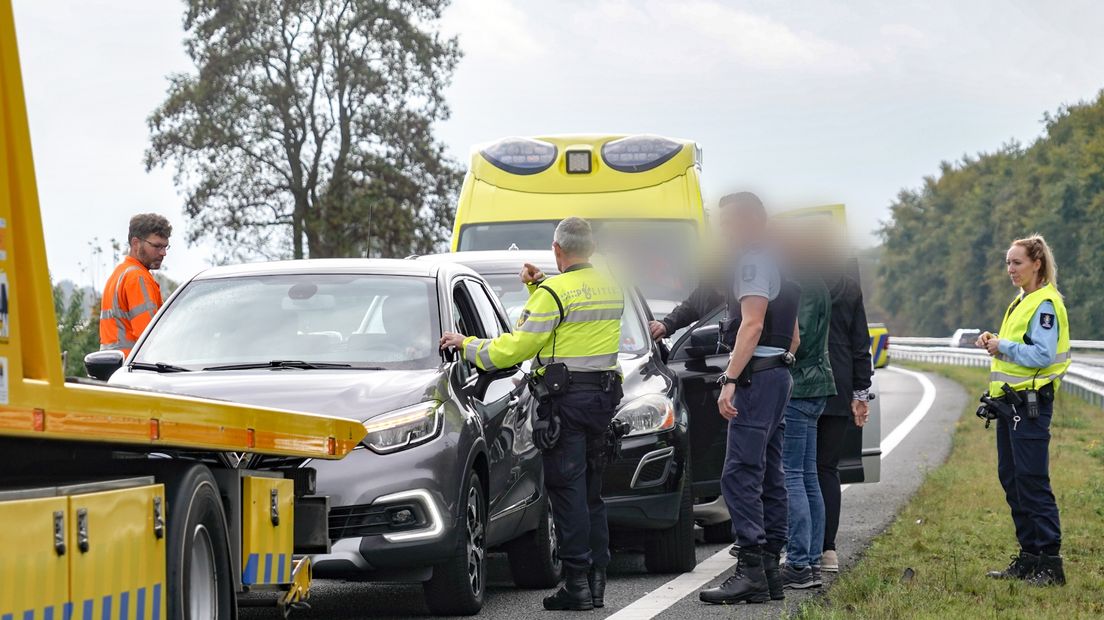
(1037, 250)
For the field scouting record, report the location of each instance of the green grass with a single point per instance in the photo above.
(958, 526)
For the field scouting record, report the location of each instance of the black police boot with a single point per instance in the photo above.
(774, 575)
(574, 595)
(748, 583)
(1021, 567)
(1048, 572)
(597, 580)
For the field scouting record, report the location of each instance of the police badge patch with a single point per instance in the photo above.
(522, 319)
(748, 272)
(1046, 320)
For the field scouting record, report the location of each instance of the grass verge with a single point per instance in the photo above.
(958, 526)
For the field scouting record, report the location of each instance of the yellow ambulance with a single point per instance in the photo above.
(642, 193)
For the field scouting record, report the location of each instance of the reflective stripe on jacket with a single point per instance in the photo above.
(587, 339)
(131, 297)
(1017, 320)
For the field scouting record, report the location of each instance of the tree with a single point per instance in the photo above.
(78, 326)
(306, 129)
(942, 264)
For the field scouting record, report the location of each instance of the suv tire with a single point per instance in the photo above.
(458, 586)
(673, 550)
(534, 557)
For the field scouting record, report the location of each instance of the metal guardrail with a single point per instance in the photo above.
(1084, 380)
(1085, 345)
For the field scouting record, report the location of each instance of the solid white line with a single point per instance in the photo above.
(663, 597)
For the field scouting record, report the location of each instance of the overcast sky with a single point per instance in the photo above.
(802, 101)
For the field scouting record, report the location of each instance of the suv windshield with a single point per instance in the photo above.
(364, 321)
(514, 295)
(669, 274)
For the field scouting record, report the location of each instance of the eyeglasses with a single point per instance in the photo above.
(157, 246)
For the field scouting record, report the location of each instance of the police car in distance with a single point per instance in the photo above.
(648, 488)
(448, 469)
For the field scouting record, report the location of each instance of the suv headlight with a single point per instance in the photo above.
(650, 413)
(639, 153)
(521, 155)
(401, 429)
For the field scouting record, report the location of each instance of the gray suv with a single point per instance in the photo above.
(448, 469)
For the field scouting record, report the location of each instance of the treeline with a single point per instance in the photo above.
(942, 260)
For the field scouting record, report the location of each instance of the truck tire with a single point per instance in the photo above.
(673, 550)
(535, 557)
(719, 532)
(199, 583)
(458, 585)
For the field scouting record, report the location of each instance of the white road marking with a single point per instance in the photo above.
(663, 597)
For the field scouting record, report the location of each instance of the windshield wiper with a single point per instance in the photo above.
(158, 367)
(280, 364)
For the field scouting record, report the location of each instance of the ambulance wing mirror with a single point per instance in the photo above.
(102, 364)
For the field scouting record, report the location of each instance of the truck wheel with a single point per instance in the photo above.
(535, 557)
(719, 532)
(199, 583)
(672, 550)
(458, 585)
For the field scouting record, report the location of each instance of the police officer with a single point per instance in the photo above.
(1030, 355)
(762, 314)
(572, 324)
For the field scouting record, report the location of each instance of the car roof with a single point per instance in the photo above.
(375, 266)
(494, 261)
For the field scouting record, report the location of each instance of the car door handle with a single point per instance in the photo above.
(513, 402)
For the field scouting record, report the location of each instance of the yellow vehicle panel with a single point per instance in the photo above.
(268, 539)
(35, 400)
(34, 576)
(117, 556)
(556, 179)
(670, 191)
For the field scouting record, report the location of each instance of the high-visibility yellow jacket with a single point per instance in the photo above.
(1017, 320)
(131, 297)
(587, 339)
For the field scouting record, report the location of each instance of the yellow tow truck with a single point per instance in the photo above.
(118, 504)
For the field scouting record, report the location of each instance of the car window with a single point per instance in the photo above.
(488, 316)
(705, 336)
(361, 320)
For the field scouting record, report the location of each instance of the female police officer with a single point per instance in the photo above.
(1030, 355)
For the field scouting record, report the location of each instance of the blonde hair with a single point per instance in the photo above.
(1037, 250)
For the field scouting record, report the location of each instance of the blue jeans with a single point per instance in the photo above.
(806, 512)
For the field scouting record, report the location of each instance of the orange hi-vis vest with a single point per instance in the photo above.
(131, 297)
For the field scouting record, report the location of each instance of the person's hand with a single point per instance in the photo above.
(860, 409)
(657, 329)
(530, 274)
(452, 339)
(993, 345)
(724, 403)
(982, 340)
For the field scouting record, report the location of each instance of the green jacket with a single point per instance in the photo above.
(812, 372)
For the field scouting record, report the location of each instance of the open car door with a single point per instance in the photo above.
(698, 357)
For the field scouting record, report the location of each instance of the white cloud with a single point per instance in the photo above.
(704, 36)
(495, 29)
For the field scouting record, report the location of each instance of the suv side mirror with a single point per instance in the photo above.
(101, 364)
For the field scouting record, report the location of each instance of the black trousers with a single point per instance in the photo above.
(831, 430)
(573, 477)
(1023, 466)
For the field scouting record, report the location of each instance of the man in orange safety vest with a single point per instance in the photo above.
(132, 296)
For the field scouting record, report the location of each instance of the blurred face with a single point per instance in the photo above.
(1023, 271)
(150, 250)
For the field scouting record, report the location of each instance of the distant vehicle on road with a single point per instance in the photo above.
(965, 338)
(641, 192)
(448, 469)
